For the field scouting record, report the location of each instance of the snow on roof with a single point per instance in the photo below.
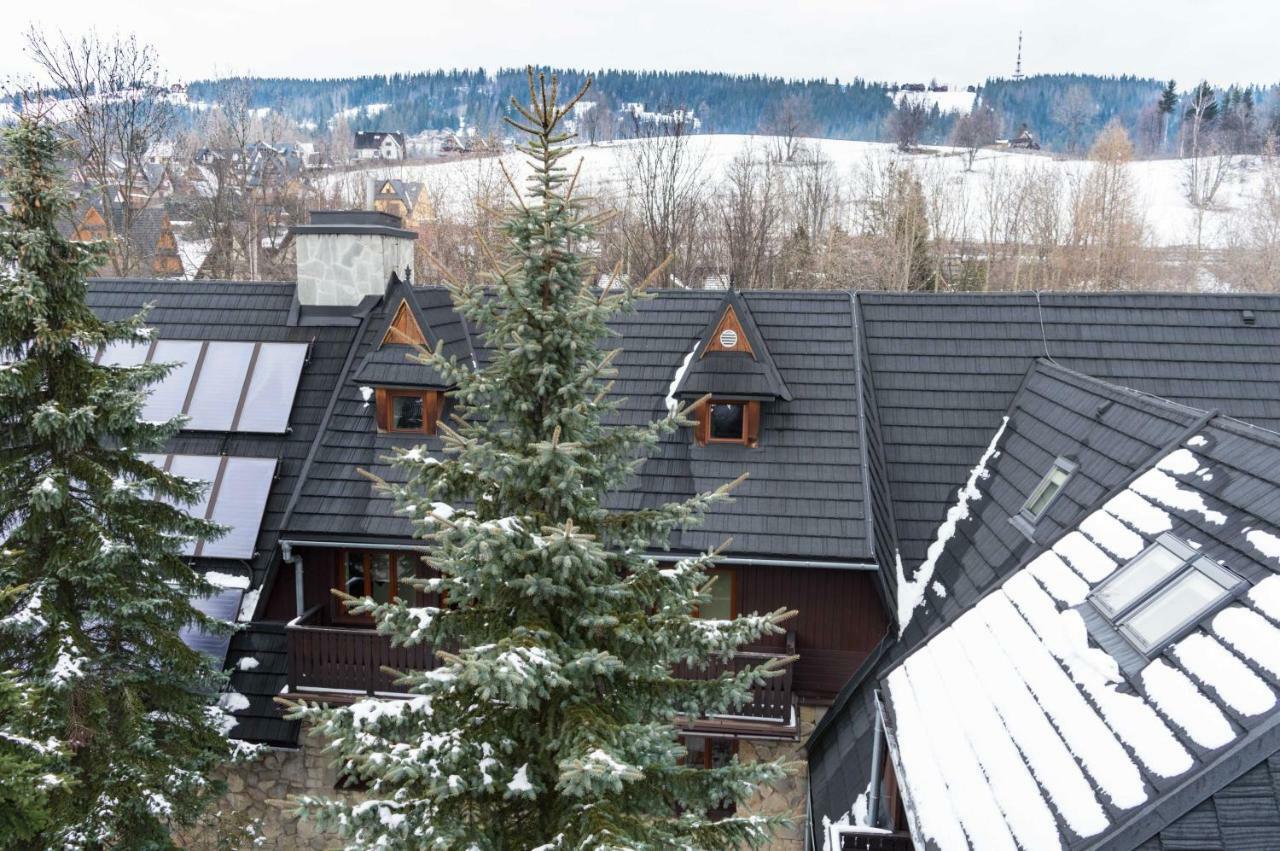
(1011, 729)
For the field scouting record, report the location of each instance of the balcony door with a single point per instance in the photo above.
(373, 573)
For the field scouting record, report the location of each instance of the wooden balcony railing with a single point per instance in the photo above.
(347, 659)
(771, 701)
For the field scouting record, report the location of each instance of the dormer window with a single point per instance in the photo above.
(728, 421)
(408, 411)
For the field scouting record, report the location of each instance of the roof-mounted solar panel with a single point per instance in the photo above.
(241, 500)
(219, 386)
(170, 395)
(122, 353)
(272, 386)
(235, 496)
(223, 605)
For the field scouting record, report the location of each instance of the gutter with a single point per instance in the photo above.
(742, 561)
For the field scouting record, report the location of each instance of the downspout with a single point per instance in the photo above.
(877, 756)
(295, 559)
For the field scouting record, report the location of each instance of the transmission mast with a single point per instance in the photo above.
(1017, 69)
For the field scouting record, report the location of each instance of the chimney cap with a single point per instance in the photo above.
(354, 222)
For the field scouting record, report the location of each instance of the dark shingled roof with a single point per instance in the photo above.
(259, 312)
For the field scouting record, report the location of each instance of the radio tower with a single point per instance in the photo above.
(1017, 69)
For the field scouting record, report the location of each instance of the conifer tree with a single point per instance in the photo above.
(93, 536)
(550, 721)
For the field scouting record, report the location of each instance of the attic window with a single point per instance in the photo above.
(1048, 489)
(1163, 592)
(408, 411)
(728, 421)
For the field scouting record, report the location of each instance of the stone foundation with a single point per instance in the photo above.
(256, 788)
(788, 796)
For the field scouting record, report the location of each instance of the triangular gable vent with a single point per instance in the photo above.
(404, 328)
(728, 336)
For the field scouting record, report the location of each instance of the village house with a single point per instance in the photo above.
(371, 145)
(146, 238)
(1031, 538)
(407, 200)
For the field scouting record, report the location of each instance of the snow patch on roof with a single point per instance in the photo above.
(1266, 596)
(1112, 535)
(1139, 513)
(911, 592)
(1160, 487)
(1173, 693)
(1251, 635)
(226, 580)
(1264, 542)
(1085, 557)
(1217, 667)
(673, 404)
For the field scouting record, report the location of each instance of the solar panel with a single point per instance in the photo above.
(239, 503)
(219, 385)
(121, 353)
(167, 396)
(223, 604)
(205, 469)
(272, 386)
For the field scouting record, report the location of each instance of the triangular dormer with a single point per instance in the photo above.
(404, 328)
(731, 359)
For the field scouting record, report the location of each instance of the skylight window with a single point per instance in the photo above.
(1163, 592)
(1048, 489)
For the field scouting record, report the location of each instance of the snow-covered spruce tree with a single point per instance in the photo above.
(91, 536)
(551, 725)
(29, 769)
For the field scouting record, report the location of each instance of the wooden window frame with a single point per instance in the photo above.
(735, 606)
(341, 614)
(750, 423)
(432, 402)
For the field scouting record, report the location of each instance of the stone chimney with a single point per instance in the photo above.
(345, 255)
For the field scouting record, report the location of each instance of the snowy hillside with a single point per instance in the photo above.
(1170, 218)
(952, 101)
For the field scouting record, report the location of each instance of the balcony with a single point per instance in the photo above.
(772, 707)
(348, 660)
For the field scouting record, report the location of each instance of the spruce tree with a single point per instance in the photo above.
(93, 536)
(550, 722)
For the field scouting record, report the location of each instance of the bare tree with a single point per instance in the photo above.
(1252, 257)
(1073, 112)
(973, 131)
(894, 226)
(114, 108)
(596, 121)
(789, 121)
(666, 202)
(747, 210)
(1108, 231)
(908, 121)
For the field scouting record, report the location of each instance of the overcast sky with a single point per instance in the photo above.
(957, 41)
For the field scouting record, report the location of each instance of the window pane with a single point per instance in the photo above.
(1174, 607)
(1047, 491)
(354, 579)
(726, 421)
(406, 413)
(721, 605)
(166, 398)
(409, 566)
(1139, 576)
(217, 395)
(697, 748)
(380, 576)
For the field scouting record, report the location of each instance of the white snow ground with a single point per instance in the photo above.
(1170, 218)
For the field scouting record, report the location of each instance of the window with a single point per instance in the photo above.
(707, 752)
(728, 421)
(1162, 592)
(410, 411)
(723, 604)
(1050, 486)
(379, 574)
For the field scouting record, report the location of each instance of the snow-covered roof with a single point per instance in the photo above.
(1029, 722)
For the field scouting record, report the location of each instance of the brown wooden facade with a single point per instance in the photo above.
(840, 620)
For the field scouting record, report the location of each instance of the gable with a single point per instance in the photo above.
(728, 336)
(404, 328)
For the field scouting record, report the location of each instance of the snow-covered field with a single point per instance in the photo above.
(1171, 219)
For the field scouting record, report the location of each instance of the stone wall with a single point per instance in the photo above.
(788, 796)
(343, 268)
(256, 788)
